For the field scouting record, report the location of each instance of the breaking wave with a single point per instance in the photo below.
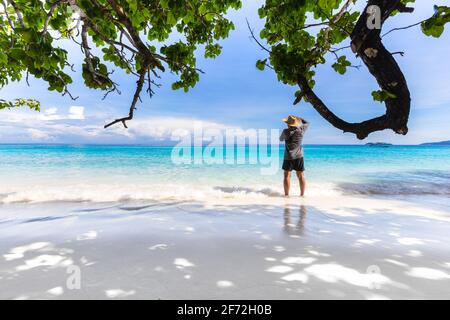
(413, 184)
(402, 184)
(138, 192)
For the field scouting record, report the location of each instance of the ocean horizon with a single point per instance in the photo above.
(171, 145)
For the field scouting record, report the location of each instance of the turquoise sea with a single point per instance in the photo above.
(74, 173)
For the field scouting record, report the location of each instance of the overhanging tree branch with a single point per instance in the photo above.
(361, 130)
(136, 97)
(368, 46)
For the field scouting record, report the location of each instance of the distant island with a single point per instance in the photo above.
(442, 143)
(379, 144)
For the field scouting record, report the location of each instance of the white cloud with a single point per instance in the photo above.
(52, 114)
(52, 125)
(163, 128)
(36, 134)
(51, 111)
(76, 113)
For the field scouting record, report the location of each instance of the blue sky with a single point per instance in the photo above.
(234, 94)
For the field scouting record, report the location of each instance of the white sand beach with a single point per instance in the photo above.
(352, 248)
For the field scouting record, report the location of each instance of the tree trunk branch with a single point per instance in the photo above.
(140, 85)
(381, 64)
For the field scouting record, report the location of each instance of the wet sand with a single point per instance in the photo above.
(285, 250)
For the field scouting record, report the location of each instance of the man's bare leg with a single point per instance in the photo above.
(302, 180)
(287, 183)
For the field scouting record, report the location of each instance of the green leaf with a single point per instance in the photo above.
(3, 58)
(261, 64)
(382, 95)
(341, 65)
(435, 26)
(171, 20)
(298, 97)
(20, 102)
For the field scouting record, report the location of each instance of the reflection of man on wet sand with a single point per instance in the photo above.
(289, 227)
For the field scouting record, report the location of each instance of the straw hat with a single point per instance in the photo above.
(292, 121)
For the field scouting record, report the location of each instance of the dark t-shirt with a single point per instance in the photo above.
(293, 138)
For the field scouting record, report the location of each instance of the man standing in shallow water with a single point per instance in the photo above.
(293, 154)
